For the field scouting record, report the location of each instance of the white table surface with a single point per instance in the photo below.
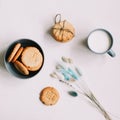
(19, 99)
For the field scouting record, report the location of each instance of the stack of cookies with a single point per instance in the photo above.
(25, 60)
(62, 31)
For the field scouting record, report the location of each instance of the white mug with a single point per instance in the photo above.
(100, 41)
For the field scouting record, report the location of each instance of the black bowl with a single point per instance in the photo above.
(11, 68)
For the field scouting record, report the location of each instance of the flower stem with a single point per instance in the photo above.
(92, 98)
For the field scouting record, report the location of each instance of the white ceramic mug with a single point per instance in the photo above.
(100, 41)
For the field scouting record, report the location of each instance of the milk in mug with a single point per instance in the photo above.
(99, 41)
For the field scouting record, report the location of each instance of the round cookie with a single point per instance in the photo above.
(21, 68)
(49, 96)
(17, 54)
(63, 31)
(32, 58)
(14, 51)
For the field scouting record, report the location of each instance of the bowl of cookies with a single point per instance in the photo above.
(24, 58)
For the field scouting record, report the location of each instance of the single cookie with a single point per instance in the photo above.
(17, 54)
(21, 68)
(49, 96)
(32, 58)
(14, 51)
(63, 31)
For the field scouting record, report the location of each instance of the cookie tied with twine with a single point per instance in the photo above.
(62, 31)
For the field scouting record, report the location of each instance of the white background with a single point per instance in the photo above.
(19, 99)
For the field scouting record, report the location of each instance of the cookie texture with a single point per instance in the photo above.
(32, 58)
(49, 96)
(17, 54)
(63, 31)
(21, 68)
(14, 51)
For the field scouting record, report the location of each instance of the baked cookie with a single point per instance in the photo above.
(49, 96)
(63, 31)
(17, 54)
(14, 51)
(32, 58)
(21, 68)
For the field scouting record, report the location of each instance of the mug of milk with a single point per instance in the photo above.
(100, 41)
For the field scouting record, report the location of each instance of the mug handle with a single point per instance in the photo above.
(111, 53)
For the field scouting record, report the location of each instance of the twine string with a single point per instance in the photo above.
(57, 18)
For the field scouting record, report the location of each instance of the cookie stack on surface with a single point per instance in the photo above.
(62, 31)
(25, 59)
